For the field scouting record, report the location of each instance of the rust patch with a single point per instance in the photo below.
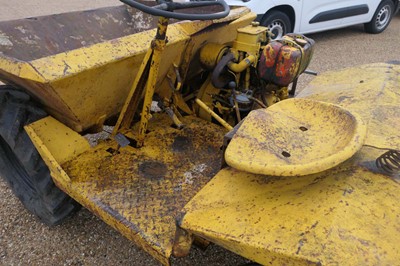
(182, 243)
(34, 38)
(181, 143)
(153, 170)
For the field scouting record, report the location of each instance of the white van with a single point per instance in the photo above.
(307, 16)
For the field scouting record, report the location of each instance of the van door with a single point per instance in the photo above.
(368, 6)
(327, 14)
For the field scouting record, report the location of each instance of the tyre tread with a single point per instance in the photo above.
(45, 200)
(370, 27)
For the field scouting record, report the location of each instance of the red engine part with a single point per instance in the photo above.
(284, 60)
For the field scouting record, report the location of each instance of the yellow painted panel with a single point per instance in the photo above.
(23, 70)
(344, 216)
(62, 142)
(372, 91)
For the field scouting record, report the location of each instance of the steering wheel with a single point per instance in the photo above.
(166, 8)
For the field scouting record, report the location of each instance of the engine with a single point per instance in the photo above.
(253, 72)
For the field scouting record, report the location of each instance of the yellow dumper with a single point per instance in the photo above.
(206, 142)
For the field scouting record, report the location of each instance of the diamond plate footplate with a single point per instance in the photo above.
(140, 191)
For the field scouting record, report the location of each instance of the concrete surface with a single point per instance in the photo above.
(84, 239)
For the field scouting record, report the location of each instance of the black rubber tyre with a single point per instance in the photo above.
(277, 22)
(21, 165)
(382, 17)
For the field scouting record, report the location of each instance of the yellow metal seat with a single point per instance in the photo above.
(295, 137)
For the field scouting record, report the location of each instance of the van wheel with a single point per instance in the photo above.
(277, 22)
(20, 163)
(382, 17)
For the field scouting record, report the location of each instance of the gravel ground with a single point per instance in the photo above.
(84, 239)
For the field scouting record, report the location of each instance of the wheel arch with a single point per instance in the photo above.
(396, 4)
(370, 26)
(287, 9)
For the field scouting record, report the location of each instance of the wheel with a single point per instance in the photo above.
(277, 22)
(166, 8)
(21, 165)
(382, 17)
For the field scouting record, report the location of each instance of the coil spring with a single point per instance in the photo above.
(389, 161)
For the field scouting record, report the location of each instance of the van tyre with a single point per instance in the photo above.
(277, 22)
(20, 163)
(382, 17)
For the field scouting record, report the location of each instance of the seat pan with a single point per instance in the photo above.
(295, 137)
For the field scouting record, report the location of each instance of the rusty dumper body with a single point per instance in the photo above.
(292, 182)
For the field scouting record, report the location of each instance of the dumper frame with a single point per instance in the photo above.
(164, 186)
